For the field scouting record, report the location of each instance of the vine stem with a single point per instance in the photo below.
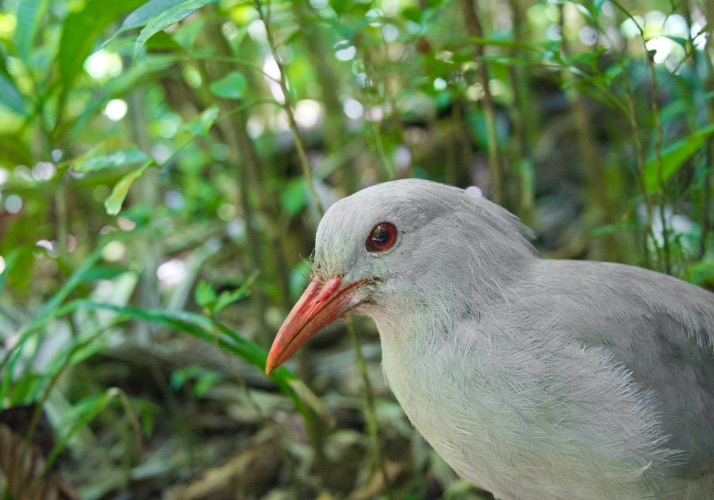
(287, 106)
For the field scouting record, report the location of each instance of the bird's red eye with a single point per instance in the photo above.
(382, 237)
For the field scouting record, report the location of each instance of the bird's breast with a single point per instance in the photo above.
(523, 422)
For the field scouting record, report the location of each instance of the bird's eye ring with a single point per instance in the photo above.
(382, 237)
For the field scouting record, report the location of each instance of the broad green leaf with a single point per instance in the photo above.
(147, 12)
(10, 97)
(107, 156)
(166, 18)
(201, 125)
(231, 86)
(29, 13)
(673, 157)
(293, 198)
(141, 16)
(204, 294)
(115, 200)
(80, 31)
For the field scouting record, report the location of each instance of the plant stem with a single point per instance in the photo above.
(287, 106)
(473, 26)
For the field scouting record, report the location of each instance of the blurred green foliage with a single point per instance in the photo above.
(163, 165)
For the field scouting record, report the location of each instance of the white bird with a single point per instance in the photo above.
(532, 378)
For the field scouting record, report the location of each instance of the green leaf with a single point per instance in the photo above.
(201, 125)
(231, 86)
(10, 97)
(81, 29)
(229, 297)
(294, 196)
(673, 157)
(204, 295)
(106, 156)
(212, 303)
(141, 16)
(166, 18)
(29, 13)
(115, 200)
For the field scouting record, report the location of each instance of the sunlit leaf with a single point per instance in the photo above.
(116, 199)
(231, 86)
(29, 13)
(147, 12)
(10, 97)
(673, 157)
(80, 31)
(106, 156)
(166, 18)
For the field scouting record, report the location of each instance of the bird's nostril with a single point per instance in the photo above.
(328, 289)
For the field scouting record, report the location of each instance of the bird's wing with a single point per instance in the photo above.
(658, 327)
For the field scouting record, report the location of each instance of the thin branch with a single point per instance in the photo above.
(287, 106)
(473, 26)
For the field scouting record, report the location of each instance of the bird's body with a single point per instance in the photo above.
(567, 399)
(532, 378)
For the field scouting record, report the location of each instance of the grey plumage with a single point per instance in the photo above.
(532, 378)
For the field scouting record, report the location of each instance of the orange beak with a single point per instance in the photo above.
(319, 306)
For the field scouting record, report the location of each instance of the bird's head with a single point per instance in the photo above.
(400, 247)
